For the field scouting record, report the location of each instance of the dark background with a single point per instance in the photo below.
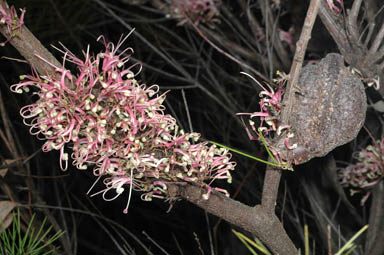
(178, 59)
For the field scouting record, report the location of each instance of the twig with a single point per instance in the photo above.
(378, 40)
(336, 31)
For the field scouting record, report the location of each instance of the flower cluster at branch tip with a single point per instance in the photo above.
(198, 11)
(368, 170)
(113, 122)
(11, 20)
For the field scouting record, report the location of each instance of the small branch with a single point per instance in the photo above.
(354, 13)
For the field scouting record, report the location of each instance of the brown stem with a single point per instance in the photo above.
(258, 221)
(29, 46)
(237, 192)
(270, 188)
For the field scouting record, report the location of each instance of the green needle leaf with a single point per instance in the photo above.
(246, 155)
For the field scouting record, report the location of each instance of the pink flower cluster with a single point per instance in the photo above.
(198, 11)
(270, 108)
(11, 21)
(368, 170)
(111, 121)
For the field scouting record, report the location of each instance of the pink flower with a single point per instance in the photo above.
(111, 121)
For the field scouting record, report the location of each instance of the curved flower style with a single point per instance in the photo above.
(111, 121)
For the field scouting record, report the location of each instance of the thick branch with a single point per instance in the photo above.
(256, 220)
